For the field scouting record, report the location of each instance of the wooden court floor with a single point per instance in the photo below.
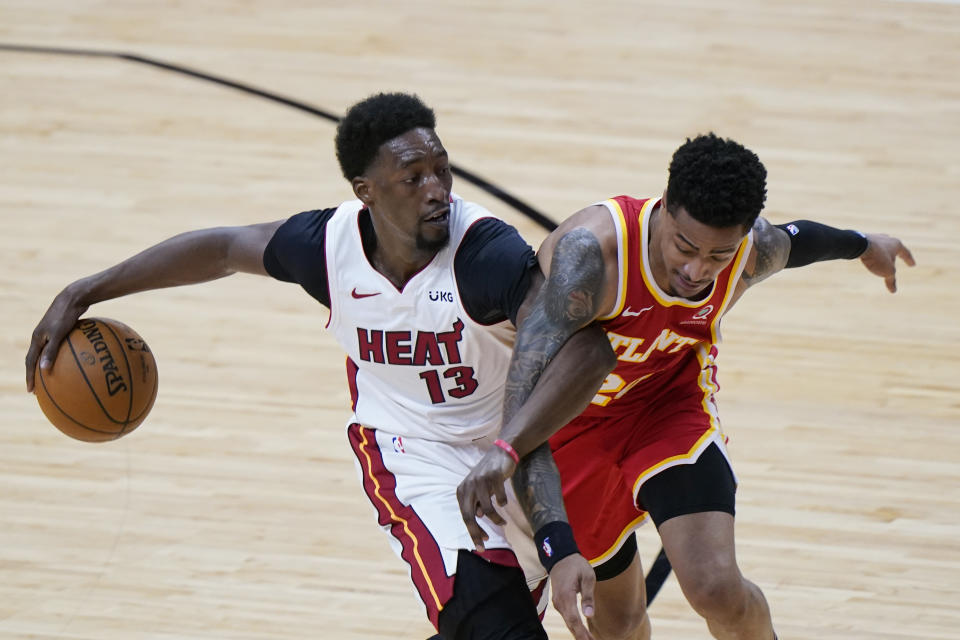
(234, 511)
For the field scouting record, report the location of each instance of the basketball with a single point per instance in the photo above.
(102, 384)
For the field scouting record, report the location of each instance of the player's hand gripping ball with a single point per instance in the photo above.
(103, 382)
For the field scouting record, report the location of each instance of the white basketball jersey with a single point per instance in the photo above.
(419, 366)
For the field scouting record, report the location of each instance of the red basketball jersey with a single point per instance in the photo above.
(653, 333)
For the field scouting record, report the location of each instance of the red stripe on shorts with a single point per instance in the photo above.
(419, 549)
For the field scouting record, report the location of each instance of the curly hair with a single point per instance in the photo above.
(718, 181)
(373, 121)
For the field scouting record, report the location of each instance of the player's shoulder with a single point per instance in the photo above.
(596, 218)
(591, 226)
(472, 224)
(465, 214)
(469, 208)
(310, 219)
(309, 227)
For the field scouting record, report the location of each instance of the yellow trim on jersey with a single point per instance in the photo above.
(738, 264)
(709, 388)
(683, 456)
(396, 518)
(651, 282)
(630, 528)
(620, 220)
(647, 271)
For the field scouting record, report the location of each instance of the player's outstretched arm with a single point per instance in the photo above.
(802, 242)
(189, 258)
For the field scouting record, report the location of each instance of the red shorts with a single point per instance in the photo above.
(603, 461)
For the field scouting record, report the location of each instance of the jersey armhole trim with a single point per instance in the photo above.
(620, 223)
(739, 265)
(330, 262)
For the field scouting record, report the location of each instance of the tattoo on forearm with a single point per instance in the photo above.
(537, 485)
(772, 248)
(567, 302)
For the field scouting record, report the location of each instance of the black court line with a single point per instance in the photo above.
(660, 570)
(518, 204)
(657, 575)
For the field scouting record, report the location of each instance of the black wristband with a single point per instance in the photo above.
(813, 242)
(554, 543)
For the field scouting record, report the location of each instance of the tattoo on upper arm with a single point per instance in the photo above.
(536, 483)
(567, 301)
(574, 286)
(771, 246)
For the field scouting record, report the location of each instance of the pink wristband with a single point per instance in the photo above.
(503, 444)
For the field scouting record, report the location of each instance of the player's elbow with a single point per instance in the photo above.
(607, 359)
(600, 358)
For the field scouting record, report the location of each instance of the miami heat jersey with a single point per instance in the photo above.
(653, 333)
(418, 365)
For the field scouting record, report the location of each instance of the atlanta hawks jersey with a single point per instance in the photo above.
(652, 332)
(418, 364)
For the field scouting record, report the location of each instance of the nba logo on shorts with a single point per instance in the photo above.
(398, 444)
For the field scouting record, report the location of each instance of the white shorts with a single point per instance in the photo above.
(412, 484)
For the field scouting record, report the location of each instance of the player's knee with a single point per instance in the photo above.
(720, 595)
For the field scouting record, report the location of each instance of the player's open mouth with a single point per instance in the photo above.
(440, 217)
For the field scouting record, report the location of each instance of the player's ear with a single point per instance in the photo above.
(363, 189)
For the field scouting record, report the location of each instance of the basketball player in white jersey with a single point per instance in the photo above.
(423, 290)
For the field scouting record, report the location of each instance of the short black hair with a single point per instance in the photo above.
(373, 121)
(718, 181)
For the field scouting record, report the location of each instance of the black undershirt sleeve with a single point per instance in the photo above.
(295, 253)
(493, 267)
(813, 242)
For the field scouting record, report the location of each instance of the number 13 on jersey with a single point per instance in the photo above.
(464, 383)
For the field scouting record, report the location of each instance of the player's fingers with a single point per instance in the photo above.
(588, 580)
(891, 283)
(49, 353)
(579, 631)
(485, 505)
(571, 617)
(477, 534)
(31, 360)
(496, 518)
(55, 334)
(468, 512)
(500, 490)
(906, 256)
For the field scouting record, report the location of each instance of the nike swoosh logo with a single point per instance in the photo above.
(627, 311)
(358, 296)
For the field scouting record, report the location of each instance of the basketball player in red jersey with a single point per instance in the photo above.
(657, 274)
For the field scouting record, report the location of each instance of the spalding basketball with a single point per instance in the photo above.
(102, 384)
